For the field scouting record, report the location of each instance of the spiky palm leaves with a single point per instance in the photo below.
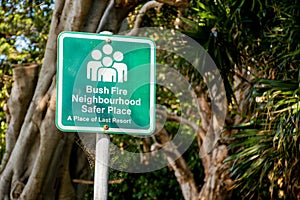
(266, 151)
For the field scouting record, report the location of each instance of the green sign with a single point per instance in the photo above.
(105, 80)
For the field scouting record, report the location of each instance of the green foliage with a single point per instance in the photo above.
(247, 35)
(23, 29)
(146, 186)
(160, 184)
(266, 151)
(261, 37)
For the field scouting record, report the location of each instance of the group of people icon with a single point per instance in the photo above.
(107, 67)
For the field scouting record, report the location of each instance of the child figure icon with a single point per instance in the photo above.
(107, 68)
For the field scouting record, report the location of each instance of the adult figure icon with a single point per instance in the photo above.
(94, 65)
(107, 73)
(120, 67)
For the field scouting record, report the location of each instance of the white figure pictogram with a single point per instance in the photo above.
(120, 67)
(109, 69)
(93, 66)
(107, 74)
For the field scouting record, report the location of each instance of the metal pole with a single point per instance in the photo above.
(102, 158)
(101, 167)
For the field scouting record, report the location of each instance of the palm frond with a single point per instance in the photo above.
(267, 149)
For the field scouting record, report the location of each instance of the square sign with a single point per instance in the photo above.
(105, 80)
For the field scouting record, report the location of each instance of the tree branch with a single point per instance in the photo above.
(88, 182)
(25, 78)
(95, 14)
(200, 131)
(176, 3)
(139, 18)
(182, 171)
(114, 14)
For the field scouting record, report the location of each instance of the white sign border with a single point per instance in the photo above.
(59, 93)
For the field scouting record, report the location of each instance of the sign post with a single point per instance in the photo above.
(101, 167)
(105, 84)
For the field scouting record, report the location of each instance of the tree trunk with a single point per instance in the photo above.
(212, 140)
(38, 156)
(212, 153)
(183, 174)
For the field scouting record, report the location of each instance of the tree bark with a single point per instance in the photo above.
(183, 174)
(212, 151)
(38, 156)
(25, 82)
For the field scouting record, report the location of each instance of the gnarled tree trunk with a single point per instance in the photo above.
(38, 156)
